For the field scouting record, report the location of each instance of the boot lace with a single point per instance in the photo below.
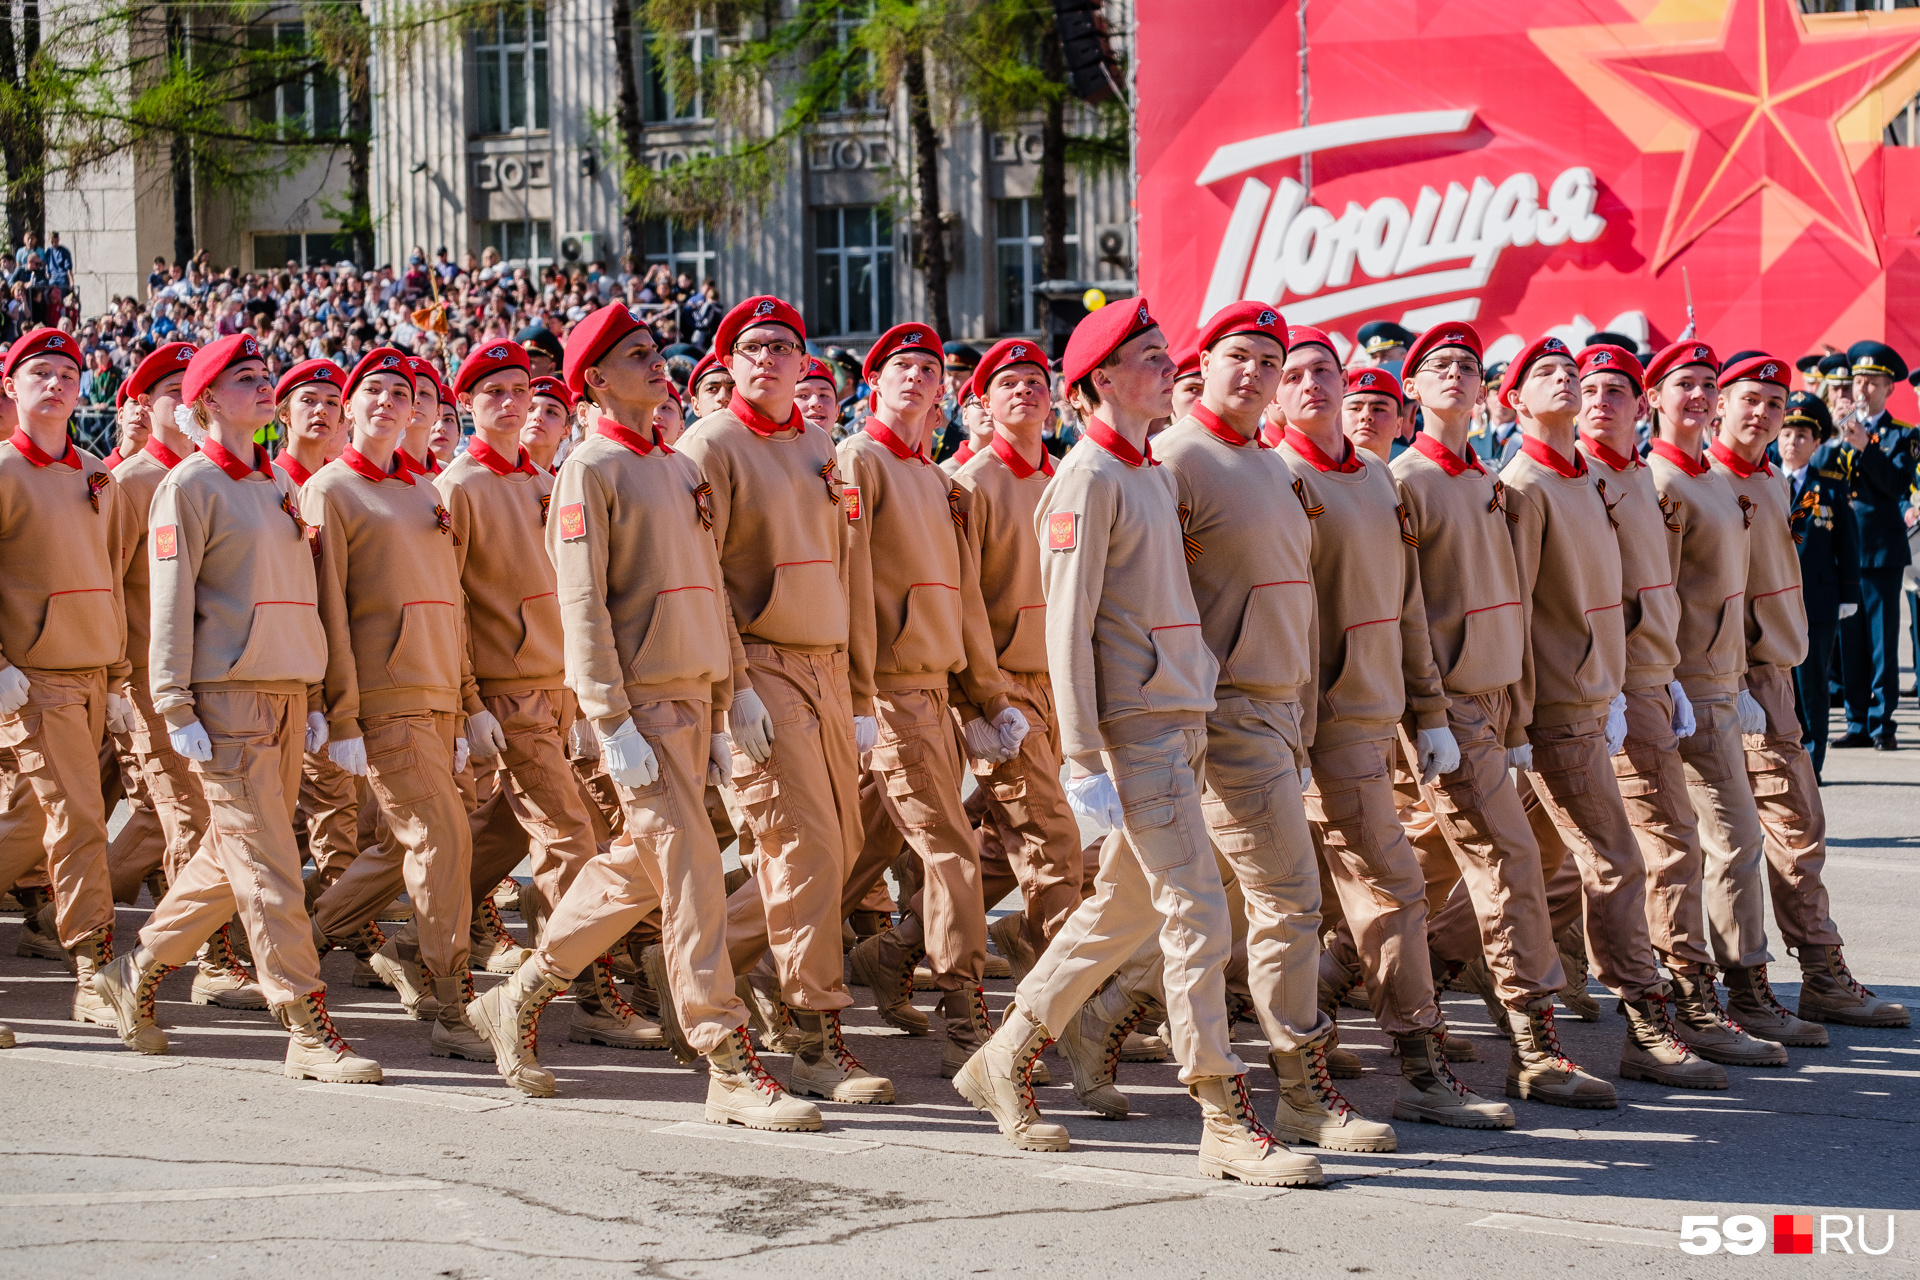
(1023, 1068)
(1117, 1039)
(496, 928)
(837, 1044)
(226, 958)
(909, 959)
(1261, 1134)
(148, 991)
(1320, 1081)
(1663, 1024)
(757, 1076)
(529, 1027)
(1710, 999)
(607, 990)
(1550, 1041)
(1438, 1061)
(323, 1023)
(1845, 975)
(1763, 991)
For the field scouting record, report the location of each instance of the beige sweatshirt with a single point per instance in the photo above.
(66, 532)
(500, 513)
(1776, 618)
(1707, 547)
(138, 478)
(999, 494)
(1650, 607)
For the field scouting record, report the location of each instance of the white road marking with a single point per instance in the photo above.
(1577, 1230)
(768, 1138)
(112, 1060)
(402, 1093)
(1602, 1135)
(1860, 1071)
(156, 1196)
(1157, 1182)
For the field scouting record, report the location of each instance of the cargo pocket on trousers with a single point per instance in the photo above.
(1149, 803)
(223, 782)
(1563, 767)
(902, 767)
(760, 792)
(397, 776)
(1240, 824)
(20, 732)
(1767, 770)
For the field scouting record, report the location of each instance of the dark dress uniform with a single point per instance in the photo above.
(1821, 516)
(1880, 479)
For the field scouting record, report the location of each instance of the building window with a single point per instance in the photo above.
(301, 96)
(1017, 242)
(684, 248)
(510, 63)
(272, 251)
(855, 92)
(852, 271)
(519, 242)
(664, 101)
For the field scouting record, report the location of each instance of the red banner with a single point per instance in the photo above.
(1558, 167)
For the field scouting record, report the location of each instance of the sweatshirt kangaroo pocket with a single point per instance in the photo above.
(81, 630)
(1725, 655)
(929, 638)
(284, 642)
(684, 641)
(1490, 646)
(806, 607)
(1271, 650)
(1370, 685)
(540, 652)
(427, 654)
(1779, 628)
(1184, 670)
(1604, 668)
(1659, 617)
(1027, 649)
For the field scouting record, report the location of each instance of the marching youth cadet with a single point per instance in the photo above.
(1820, 513)
(236, 643)
(415, 441)
(66, 532)
(1187, 384)
(1569, 716)
(710, 386)
(396, 688)
(1456, 512)
(817, 397)
(651, 656)
(1370, 411)
(1375, 667)
(444, 440)
(548, 420)
(1753, 405)
(780, 522)
(1125, 647)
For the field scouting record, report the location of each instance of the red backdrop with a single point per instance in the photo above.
(1533, 167)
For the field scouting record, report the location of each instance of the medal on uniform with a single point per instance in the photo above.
(96, 482)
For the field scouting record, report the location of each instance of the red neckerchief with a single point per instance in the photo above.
(1116, 444)
(489, 457)
(1221, 431)
(431, 467)
(234, 468)
(631, 439)
(112, 460)
(31, 452)
(1004, 450)
(1667, 449)
(358, 461)
(1449, 461)
(1737, 464)
(160, 453)
(1317, 458)
(759, 423)
(895, 445)
(1544, 454)
(1608, 456)
(295, 472)
(964, 454)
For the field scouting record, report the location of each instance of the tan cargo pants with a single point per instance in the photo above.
(1026, 824)
(329, 809)
(1787, 795)
(1732, 842)
(170, 782)
(56, 739)
(1653, 786)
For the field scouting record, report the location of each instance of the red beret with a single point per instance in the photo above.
(381, 360)
(424, 369)
(1606, 358)
(1518, 366)
(592, 338)
(1245, 317)
(554, 389)
(764, 309)
(164, 360)
(1301, 335)
(482, 361)
(1375, 382)
(1003, 353)
(1189, 364)
(39, 342)
(817, 369)
(309, 371)
(214, 359)
(1454, 333)
(1761, 368)
(1101, 334)
(673, 394)
(1678, 355)
(706, 364)
(912, 336)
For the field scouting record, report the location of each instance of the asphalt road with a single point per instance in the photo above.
(207, 1162)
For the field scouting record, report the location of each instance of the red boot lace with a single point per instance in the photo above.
(495, 925)
(1663, 1022)
(1550, 1038)
(757, 1075)
(1117, 1040)
(1440, 1067)
(1023, 1068)
(376, 935)
(149, 989)
(1259, 1131)
(908, 960)
(1764, 990)
(227, 958)
(323, 1023)
(837, 1045)
(1718, 1011)
(530, 1023)
(1846, 977)
(609, 991)
(1320, 1080)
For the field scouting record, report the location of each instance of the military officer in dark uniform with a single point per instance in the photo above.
(1382, 342)
(1821, 516)
(958, 366)
(1878, 457)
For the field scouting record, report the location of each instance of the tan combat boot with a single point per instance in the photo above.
(90, 955)
(1009, 934)
(506, 895)
(6, 1036)
(315, 1050)
(363, 943)
(1233, 1144)
(885, 967)
(1830, 993)
(220, 978)
(823, 1066)
(1429, 1090)
(509, 1017)
(397, 964)
(1654, 1052)
(1751, 1002)
(127, 987)
(1476, 978)
(453, 1036)
(653, 963)
(1312, 1111)
(1572, 944)
(39, 939)
(1704, 1028)
(601, 1016)
(1092, 1042)
(1540, 1070)
(995, 1081)
(491, 946)
(739, 1091)
(968, 1027)
(1342, 1064)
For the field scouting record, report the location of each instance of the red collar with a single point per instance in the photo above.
(1695, 467)
(1737, 464)
(431, 467)
(235, 469)
(759, 423)
(160, 453)
(964, 454)
(1116, 444)
(1608, 456)
(1449, 461)
(1317, 458)
(112, 460)
(31, 451)
(489, 457)
(895, 445)
(295, 472)
(358, 461)
(621, 435)
(1547, 456)
(1221, 431)
(1003, 448)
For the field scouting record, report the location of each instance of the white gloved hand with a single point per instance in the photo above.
(1306, 779)
(1439, 754)
(460, 755)
(190, 740)
(629, 757)
(1616, 724)
(1013, 730)
(1520, 757)
(584, 741)
(719, 759)
(751, 726)
(1683, 722)
(316, 730)
(485, 735)
(121, 716)
(350, 754)
(13, 689)
(984, 741)
(1753, 716)
(866, 732)
(1848, 610)
(1093, 796)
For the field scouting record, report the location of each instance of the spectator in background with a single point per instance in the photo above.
(101, 380)
(59, 261)
(157, 278)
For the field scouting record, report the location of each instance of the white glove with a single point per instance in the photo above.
(584, 741)
(1683, 721)
(1753, 716)
(1439, 754)
(719, 759)
(350, 754)
(13, 689)
(1093, 797)
(1013, 730)
(751, 726)
(984, 741)
(1306, 779)
(1520, 757)
(1616, 724)
(316, 730)
(630, 760)
(1848, 610)
(460, 755)
(485, 735)
(866, 732)
(121, 717)
(190, 740)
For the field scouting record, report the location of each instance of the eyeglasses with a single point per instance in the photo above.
(754, 350)
(1465, 366)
